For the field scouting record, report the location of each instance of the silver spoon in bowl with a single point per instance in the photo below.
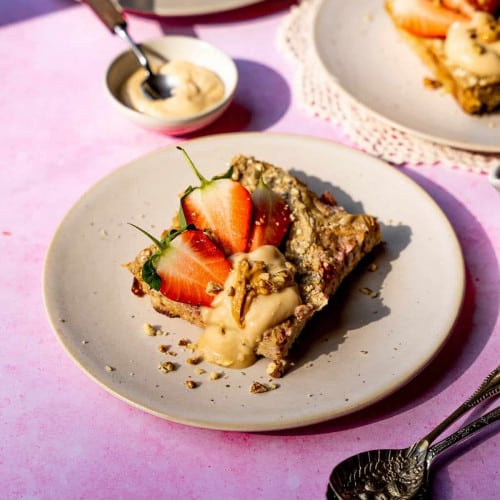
(403, 473)
(156, 86)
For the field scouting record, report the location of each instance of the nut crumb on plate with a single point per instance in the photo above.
(167, 367)
(149, 330)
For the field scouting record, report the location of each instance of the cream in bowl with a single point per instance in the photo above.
(204, 79)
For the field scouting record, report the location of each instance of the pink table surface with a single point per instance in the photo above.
(61, 435)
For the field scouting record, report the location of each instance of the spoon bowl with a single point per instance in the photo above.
(403, 473)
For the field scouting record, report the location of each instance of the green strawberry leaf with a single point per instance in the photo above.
(149, 274)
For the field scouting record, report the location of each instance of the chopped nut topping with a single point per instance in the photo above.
(199, 371)
(479, 49)
(191, 384)
(163, 348)
(213, 288)
(167, 367)
(215, 375)
(277, 368)
(257, 388)
(149, 330)
(194, 360)
(252, 279)
(109, 368)
(432, 83)
(490, 34)
(183, 342)
(369, 292)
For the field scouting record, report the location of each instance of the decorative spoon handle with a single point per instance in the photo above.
(463, 433)
(490, 387)
(107, 12)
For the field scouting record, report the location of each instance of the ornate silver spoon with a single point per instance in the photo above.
(403, 473)
(156, 86)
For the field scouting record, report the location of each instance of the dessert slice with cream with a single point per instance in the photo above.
(459, 40)
(298, 249)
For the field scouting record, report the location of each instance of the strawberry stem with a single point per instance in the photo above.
(193, 166)
(157, 242)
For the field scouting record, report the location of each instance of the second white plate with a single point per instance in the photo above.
(360, 348)
(362, 52)
(184, 7)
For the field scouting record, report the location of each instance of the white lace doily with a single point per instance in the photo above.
(321, 97)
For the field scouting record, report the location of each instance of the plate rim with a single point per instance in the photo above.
(165, 9)
(290, 423)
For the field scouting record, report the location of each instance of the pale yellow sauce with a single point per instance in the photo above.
(228, 344)
(475, 45)
(196, 90)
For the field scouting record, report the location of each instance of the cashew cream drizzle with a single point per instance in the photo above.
(226, 341)
(475, 45)
(197, 89)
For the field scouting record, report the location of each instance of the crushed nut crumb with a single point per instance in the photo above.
(431, 83)
(215, 375)
(163, 348)
(149, 330)
(194, 360)
(277, 368)
(258, 388)
(213, 288)
(109, 368)
(191, 384)
(369, 292)
(167, 367)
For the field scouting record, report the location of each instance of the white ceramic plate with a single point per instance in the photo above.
(358, 351)
(362, 52)
(184, 7)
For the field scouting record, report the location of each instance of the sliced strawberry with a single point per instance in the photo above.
(424, 18)
(271, 217)
(221, 206)
(184, 266)
(468, 7)
(464, 6)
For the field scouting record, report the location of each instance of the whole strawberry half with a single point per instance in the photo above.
(424, 18)
(271, 217)
(186, 262)
(220, 205)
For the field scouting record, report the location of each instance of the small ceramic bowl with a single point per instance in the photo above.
(169, 48)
